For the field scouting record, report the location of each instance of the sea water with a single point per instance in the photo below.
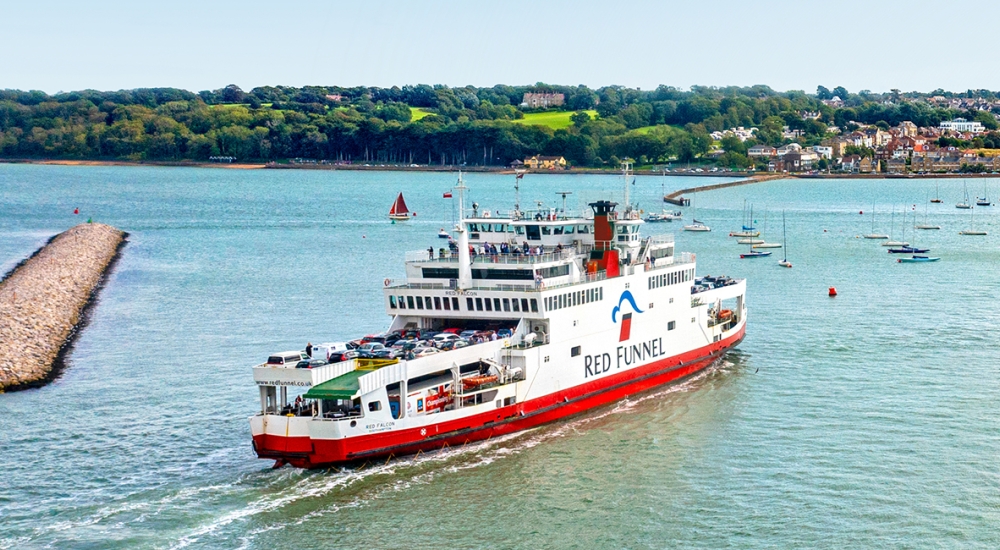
(865, 420)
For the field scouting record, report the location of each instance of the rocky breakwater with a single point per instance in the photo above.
(43, 301)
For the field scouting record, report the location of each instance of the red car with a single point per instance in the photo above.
(452, 330)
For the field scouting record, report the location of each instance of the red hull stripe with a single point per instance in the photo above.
(310, 453)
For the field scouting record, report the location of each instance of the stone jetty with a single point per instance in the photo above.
(43, 301)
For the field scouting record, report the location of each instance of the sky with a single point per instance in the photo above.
(789, 45)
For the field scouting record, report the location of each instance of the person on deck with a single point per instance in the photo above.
(309, 349)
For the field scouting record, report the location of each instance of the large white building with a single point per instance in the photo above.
(962, 125)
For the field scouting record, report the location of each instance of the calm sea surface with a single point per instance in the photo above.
(865, 421)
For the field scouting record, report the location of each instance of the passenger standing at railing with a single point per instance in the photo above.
(430, 252)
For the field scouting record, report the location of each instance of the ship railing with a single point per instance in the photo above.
(424, 256)
(676, 260)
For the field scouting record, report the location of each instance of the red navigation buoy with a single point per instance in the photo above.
(833, 291)
(862, 212)
(76, 210)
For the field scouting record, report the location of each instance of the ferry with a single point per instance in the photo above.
(564, 313)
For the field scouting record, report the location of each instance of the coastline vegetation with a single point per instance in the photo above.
(425, 124)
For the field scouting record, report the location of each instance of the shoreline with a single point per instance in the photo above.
(479, 169)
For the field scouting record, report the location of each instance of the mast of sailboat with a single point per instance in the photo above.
(784, 236)
(626, 172)
(517, 193)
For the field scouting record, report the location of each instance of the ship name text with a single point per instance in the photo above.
(625, 356)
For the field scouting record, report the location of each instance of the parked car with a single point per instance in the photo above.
(339, 356)
(505, 333)
(313, 363)
(388, 353)
(367, 351)
(424, 352)
(467, 333)
(454, 344)
(452, 330)
(443, 338)
(287, 359)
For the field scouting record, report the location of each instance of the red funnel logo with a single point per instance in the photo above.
(626, 327)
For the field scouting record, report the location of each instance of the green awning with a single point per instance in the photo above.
(341, 387)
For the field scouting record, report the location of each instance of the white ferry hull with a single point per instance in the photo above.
(284, 440)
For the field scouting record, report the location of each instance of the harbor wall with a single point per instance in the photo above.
(44, 300)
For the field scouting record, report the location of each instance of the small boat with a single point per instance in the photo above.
(892, 227)
(767, 245)
(696, 226)
(873, 234)
(443, 234)
(754, 254)
(916, 260)
(908, 250)
(972, 230)
(937, 194)
(926, 225)
(750, 241)
(964, 205)
(664, 216)
(399, 212)
(746, 230)
(985, 200)
(784, 240)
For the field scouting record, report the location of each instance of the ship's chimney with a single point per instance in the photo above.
(604, 257)
(603, 234)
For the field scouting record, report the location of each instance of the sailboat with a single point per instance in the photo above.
(985, 201)
(972, 230)
(925, 225)
(695, 225)
(892, 227)
(964, 205)
(873, 234)
(937, 194)
(764, 244)
(664, 215)
(747, 230)
(399, 212)
(784, 241)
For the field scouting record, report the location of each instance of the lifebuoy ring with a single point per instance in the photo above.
(386, 282)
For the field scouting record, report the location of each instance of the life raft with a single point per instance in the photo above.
(725, 314)
(476, 381)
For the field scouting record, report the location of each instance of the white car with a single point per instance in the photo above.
(424, 352)
(443, 338)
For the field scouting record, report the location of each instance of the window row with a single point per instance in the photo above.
(553, 229)
(502, 304)
(575, 298)
(665, 279)
(423, 302)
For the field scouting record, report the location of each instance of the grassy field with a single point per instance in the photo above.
(557, 120)
(417, 113)
(647, 129)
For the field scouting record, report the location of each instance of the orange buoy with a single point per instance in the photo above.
(833, 291)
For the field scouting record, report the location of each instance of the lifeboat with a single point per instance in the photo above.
(725, 314)
(476, 381)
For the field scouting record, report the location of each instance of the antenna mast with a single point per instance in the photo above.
(626, 172)
(564, 193)
(461, 197)
(517, 193)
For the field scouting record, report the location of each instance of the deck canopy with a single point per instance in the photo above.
(341, 387)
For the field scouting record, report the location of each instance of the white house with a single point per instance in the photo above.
(823, 151)
(962, 125)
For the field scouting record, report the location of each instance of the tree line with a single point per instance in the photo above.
(465, 125)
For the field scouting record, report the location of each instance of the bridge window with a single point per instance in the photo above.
(392, 302)
(479, 304)
(437, 302)
(496, 304)
(574, 351)
(534, 305)
(489, 304)
(570, 229)
(546, 230)
(420, 302)
(409, 301)
(468, 304)
(447, 303)
(513, 303)
(454, 304)
(506, 304)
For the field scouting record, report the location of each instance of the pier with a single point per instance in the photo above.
(43, 301)
(677, 198)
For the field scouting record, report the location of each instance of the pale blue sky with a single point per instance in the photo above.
(197, 45)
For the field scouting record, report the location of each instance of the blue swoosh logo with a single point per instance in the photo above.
(626, 296)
